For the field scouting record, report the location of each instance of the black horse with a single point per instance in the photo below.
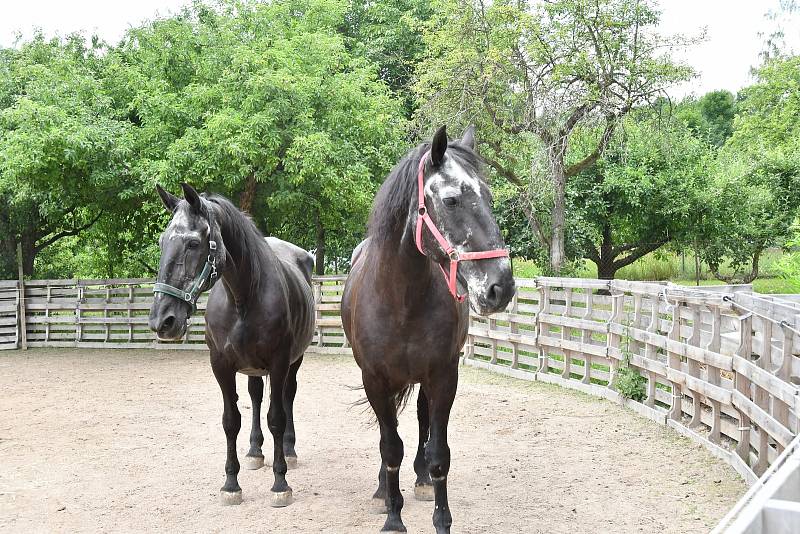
(259, 320)
(407, 324)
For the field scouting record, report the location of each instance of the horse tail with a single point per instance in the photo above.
(400, 400)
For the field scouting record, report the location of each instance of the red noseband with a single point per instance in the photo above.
(452, 253)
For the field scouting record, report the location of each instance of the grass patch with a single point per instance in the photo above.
(668, 266)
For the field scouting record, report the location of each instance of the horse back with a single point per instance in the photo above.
(292, 254)
(297, 266)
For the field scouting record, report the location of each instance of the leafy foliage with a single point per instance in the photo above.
(62, 152)
(640, 195)
(529, 74)
(263, 102)
(756, 190)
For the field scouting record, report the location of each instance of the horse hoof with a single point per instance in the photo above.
(230, 498)
(379, 506)
(424, 492)
(253, 462)
(291, 462)
(281, 499)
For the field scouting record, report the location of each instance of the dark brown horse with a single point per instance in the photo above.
(406, 321)
(259, 320)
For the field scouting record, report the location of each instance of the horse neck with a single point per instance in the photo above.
(401, 266)
(238, 276)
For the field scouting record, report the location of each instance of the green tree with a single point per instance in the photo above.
(62, 152)
(757, 190)
(710, 117)
(262, 102)
(640, 195)
(530, 74)
(388, 33)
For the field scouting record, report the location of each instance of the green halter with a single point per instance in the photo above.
(206, 276)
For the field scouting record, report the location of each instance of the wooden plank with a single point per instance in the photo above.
(786, 392)
(695, 384)
(780, 433)
(22, 313)
(675, 346)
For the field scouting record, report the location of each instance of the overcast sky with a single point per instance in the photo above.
(723, 61)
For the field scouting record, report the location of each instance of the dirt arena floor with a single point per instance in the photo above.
(131, 441)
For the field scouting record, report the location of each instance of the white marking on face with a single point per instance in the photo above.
(179, 227)
(458, 179)
(476, 286)
(180, 219)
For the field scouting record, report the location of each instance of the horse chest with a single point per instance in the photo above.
(250, 371)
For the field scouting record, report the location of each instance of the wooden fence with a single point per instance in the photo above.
(114, 314)
(719, 367)
(9, 315)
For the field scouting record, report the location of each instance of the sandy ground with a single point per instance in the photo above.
(125, 441)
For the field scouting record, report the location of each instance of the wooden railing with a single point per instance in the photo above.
(114, 314)
(719, 367)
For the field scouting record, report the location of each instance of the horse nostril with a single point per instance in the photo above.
(168, 323)
(495, 294)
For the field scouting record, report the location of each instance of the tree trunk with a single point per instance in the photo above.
(249, 194)
(557, 252)
(320, 256)
(606, 269)
(747, 278)
(28, 253)
(696, 265)
(8, 249)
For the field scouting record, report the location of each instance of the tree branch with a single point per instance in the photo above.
(592, 253)
(502, 171)
(533, 222)
(641, 250)
(65, 233)
(588, 161)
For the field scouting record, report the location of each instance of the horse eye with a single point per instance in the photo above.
(450, 202)
(193, 244)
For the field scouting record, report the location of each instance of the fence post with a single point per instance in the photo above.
(23, 328)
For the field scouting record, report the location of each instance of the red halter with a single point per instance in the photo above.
(451, 252)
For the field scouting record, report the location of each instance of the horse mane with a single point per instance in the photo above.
(389, 213)
(248, 238)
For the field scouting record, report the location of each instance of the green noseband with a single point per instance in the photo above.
(206, 277)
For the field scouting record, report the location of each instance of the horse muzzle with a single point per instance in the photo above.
(167, 326)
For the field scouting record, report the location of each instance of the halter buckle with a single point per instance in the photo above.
(422, 210)
(453, 255)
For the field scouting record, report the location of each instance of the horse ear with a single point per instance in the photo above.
(439, 146)
(169, 200)
(192, 197)
(468, 137)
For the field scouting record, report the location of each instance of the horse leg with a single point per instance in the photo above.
(437, 452)
(230, 493)
(423, 487)
(391, 454)
(255, 458)
(379, 497)
(276, 420)
(289, 392)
